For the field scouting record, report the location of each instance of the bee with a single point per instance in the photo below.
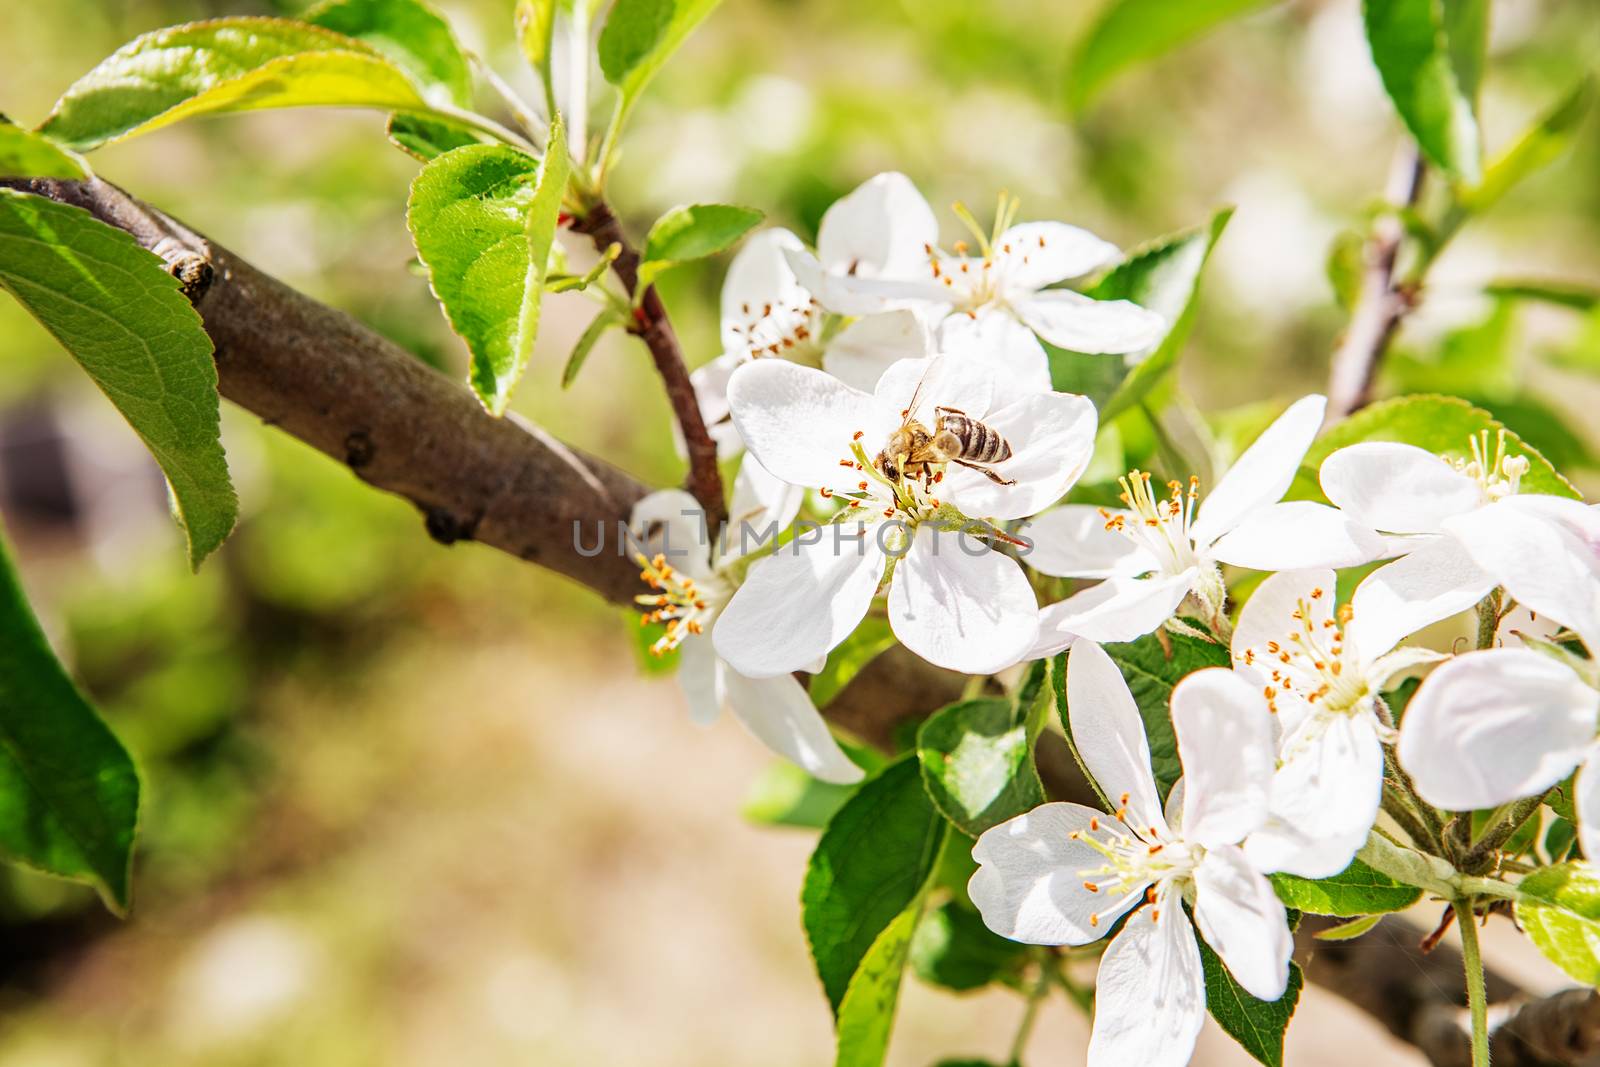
(913, 450)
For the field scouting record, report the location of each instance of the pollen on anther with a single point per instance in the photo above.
(1091, 887)
(858, 435)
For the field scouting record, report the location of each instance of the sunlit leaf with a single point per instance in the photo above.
(640, 36)
(1351, 930)
(411, 34)
(1129, 32)
(1560, 912)
(231, 64)
(866, 1014)
(25, 154)
(693, 232)
(1414, 54)
(977, 764)
(1258, 1025)
(124, 318)
(869, 866)
(1543, 144)
(69, 793)
(1356, 890)
(954, 949)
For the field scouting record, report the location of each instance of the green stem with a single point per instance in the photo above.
(1488, 618)
(486, 125)
(1477, 995)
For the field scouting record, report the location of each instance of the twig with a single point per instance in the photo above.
(650, 323)
(1382, 303)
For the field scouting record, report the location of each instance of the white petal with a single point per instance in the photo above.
(1324, 797)
(1225, 742)
(799, 421)
(1029, 882)
(1490, 727)
(1082, 324)
(1269, 616)
(959, 604)
(1051, 437)
(1150, 993)
(763, 506)
(780, 715)
(883, 227)
(700, 679)
(1397, 488)
(1118, 609)
(869, 346)
(1072, 542)
(762, 300)
(1297, 533)
(1263, 472)
(1432, 583)
(938, 381)
(1539, 550)
(1587, 804)
(1036, 254)
(1243, 921)
(799, 602)
(850, 294)
(996, 336)
(1109, 734)
(672, 523)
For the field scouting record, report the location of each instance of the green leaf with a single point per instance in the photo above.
(693, 232)
(483, 218)
(586, 342)
(1151, 676)
(1418, 64)
(1258, 1025)
(1574, 295)
(1356, 890)
(954, 949)
(869, 640)
(230, 64)
(428, 139)
(535, 21)
(69, 792)
(641, 35)
(1443, 425)
(977, 764)
(869, 865)
(1563, 917)
(1543, 144)
(785, 795)
(414, 36)
(1129, 32)
(123, 316)
(1351, 930)
(1163, 276)
(1466, 31)
(25, 154)
(866, 1014)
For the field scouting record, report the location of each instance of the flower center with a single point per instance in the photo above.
(1313, 662)
(683, 604)
(1499, 475)
(780, 329)
(1160, 525)
(977, 282)
(1137, 862)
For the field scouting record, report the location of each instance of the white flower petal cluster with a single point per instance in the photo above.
(952, 598)
(692, 581)
(1064, 874)
(1163, 548)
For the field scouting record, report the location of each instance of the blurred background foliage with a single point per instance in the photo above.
(403, 806)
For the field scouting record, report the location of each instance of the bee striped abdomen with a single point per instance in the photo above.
(979, 443)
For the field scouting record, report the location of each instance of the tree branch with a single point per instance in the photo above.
(401, 426)
(653, 327)
(1381, 304)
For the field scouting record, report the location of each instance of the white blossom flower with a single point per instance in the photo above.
(1489, 727)
(767, 313)
(953, 599)
(1464, 527)
(1063, 874)
(1322, 672)
(693, 580)
(995, 301)
(1161, 551)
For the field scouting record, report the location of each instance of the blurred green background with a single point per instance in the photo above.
(416, 805)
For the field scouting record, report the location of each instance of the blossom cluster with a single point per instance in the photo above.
(904, 393)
